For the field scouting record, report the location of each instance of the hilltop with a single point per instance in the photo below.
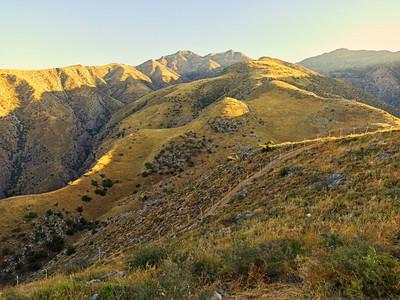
(376, 72)
(170, 137)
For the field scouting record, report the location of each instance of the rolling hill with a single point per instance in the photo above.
(171, 137)
(50, 119)
(376, 72)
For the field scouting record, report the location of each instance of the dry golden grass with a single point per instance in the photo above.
(276, 110)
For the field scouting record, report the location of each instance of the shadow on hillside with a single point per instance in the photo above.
(45, 142)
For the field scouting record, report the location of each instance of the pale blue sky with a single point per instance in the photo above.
(52, 33)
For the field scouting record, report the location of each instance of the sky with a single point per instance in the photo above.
(38, 34)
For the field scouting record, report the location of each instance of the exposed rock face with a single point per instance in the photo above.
(376, 72)
(225, 59)
(190, 65)
(49, 120)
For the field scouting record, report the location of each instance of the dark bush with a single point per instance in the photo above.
(100, 192)
(31, 215)
(70, 231)
(207, 268)
(283, 171)
(86, 198)
(55, 244)
(147, 256)
(107, 183)
(70, 250)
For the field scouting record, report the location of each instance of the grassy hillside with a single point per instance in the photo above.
(161, 76)
(179, 132)
(309, 220)
(50, 119)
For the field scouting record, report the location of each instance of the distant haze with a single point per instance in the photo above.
(44, 33)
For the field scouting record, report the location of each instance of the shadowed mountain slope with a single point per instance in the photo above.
(49, 119)
(376, 72)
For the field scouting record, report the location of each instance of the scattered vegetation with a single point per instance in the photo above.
(86, 198)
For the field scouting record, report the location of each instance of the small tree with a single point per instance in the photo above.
(86, 198)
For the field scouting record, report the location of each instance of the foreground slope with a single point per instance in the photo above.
(182, 130)
(376, 72)
(309, 220)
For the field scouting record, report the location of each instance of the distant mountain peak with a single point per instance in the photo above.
(230, 57)
(376, 72)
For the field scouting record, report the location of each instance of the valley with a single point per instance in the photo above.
(193, 156)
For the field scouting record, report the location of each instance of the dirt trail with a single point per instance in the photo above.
(246, 181)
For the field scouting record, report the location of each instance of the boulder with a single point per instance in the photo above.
(244, 215)
(216, 296)
(241, 195)
(332, 181)
(382, 155)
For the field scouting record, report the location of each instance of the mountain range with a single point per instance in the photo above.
(376, 72)
(221, 171)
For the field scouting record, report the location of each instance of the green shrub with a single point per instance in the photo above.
(147, 256)
(86, 198)
(111, 291)
(176, 282)
(333, 240)
(70, 250)
(107, 183)
(148, 165)
(283, 171)
(270, 258)
(360, 271)
(65, 290)
(95, 183)
(100, 192)
(391, 182)
(55, 244)
(31, 215)
(79, 209)
(73, 268)
(349, 140)
(268, 147)
(145, 174)
(11, 293)
(207, 268)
